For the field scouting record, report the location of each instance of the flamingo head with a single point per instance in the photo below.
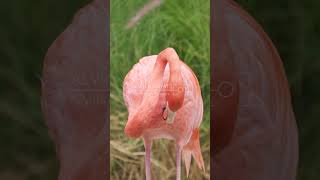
(146, 116)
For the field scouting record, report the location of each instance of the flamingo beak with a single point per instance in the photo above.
(171, 115)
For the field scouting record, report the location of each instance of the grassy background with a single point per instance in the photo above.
(183, 25)
(28, 28)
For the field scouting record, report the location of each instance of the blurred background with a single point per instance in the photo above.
(28, 29)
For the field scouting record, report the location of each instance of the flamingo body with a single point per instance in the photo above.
(186, 120)
(188, 117)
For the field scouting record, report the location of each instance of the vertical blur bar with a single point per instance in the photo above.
(107, 133)
(75, 94)
(224, 86)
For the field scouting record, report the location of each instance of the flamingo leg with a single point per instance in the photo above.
(147, 146)
(178, 161)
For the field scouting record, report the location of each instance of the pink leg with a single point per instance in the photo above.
(147, 146)
(178, 161)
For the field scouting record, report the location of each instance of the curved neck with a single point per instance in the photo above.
(175, 89)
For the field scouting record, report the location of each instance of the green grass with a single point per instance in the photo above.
(178, 24)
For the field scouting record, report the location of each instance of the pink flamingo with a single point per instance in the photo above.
(165, 102)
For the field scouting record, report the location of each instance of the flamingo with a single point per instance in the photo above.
(164, 102)
(254, 128)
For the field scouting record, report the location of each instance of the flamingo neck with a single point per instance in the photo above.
(175, 89)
